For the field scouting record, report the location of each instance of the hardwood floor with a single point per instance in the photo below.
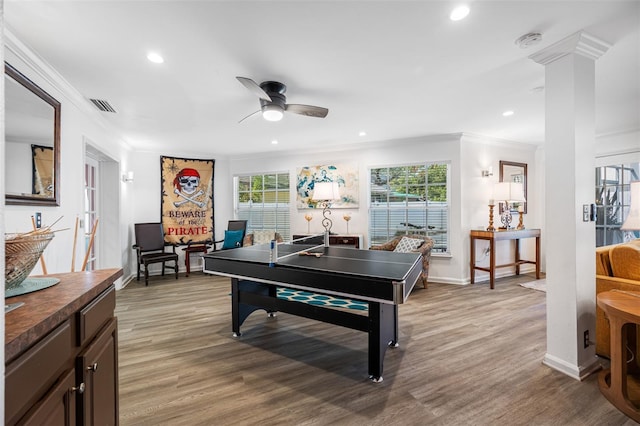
(468, 356)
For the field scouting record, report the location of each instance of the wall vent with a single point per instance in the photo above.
(102, 105)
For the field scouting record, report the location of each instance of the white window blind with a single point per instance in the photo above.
(412, 199)
(263, 200)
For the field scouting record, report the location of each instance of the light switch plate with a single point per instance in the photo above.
(585, 212)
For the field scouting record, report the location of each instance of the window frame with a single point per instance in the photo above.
(442, 235)
(281, 209)
(613, 200)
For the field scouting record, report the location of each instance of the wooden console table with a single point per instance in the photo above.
(620, 307)
(353, 240)
(492, 237)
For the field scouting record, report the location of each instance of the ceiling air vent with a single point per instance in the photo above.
(102, 105)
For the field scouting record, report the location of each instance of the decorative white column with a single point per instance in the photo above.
(569, 184)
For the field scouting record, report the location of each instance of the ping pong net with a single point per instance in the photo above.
(310, 245)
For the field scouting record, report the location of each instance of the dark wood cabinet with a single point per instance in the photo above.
(334, 240)
(58, 407)
(97, 368)
(61, 353)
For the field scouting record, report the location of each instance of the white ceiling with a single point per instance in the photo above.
(395, 69)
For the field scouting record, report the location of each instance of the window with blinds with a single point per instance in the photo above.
(263, 200)
(411, 199)
(613, 199)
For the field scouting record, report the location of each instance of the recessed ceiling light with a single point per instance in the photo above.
(507, 113)
(155, 58)
(362, 133)
(459, 13)
(274, 142)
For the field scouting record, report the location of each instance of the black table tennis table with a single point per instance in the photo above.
(382, 279)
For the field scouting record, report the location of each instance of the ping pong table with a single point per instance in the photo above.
(382, 279)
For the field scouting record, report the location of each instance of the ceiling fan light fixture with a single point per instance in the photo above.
(459, 13)
(272, 113)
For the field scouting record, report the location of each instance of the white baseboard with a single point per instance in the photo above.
(484, 276)
(578, 372)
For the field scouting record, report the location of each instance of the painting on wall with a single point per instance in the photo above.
(187, 199)
(42, 170)
(344, 174)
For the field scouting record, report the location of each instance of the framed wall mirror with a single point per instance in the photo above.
(515, 172)
(32, 142)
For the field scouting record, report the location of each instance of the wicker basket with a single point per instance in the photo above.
(22, 252)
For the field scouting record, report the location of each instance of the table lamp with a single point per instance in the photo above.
(508, 192)
(324, 193)
(632, 222)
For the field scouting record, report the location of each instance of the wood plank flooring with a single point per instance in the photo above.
(468, 356)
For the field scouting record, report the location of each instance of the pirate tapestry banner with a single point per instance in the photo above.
(187, 199)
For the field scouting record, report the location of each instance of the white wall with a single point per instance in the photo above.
(469, 191)
(78, 122)
(2, 206)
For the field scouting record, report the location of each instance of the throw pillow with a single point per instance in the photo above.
(407, 245)
(232, 239)
(263, 236)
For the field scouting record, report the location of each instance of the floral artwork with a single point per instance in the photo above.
(345, 175)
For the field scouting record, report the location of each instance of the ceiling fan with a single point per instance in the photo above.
(273, 102)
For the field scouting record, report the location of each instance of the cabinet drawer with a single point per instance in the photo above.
(93, 316)
(28, 377)
(345, 240)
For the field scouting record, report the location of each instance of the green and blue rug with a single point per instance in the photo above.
(321, 299)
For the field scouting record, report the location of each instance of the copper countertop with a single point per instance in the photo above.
(44, 310)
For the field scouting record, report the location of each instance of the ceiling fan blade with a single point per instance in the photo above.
(308, 110)
(254, 87)
(250, 115)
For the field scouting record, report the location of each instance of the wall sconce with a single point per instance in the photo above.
(127, 177)
(488, 172)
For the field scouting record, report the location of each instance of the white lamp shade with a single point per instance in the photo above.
(632, 223)
(325, 191)
(508, 191)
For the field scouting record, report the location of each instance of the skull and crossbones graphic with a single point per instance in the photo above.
(186, 186)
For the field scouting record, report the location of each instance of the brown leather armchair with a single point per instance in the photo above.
(424, 250)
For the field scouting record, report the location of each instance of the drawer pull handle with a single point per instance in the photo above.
(79, 389)
(93, 367)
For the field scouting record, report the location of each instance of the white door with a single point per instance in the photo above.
(91, 169)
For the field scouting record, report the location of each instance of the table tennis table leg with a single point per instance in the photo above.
(235, 307)
(240, 311)
(383, 333)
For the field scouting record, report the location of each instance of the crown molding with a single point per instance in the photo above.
(54, 79)
(580, 43)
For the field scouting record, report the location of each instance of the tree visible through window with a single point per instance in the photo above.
(263, 200)
(411, 199)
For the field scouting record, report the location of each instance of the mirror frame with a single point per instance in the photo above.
(26, 200)
(522, 166)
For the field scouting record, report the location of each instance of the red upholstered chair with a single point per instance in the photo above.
(150, 248)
